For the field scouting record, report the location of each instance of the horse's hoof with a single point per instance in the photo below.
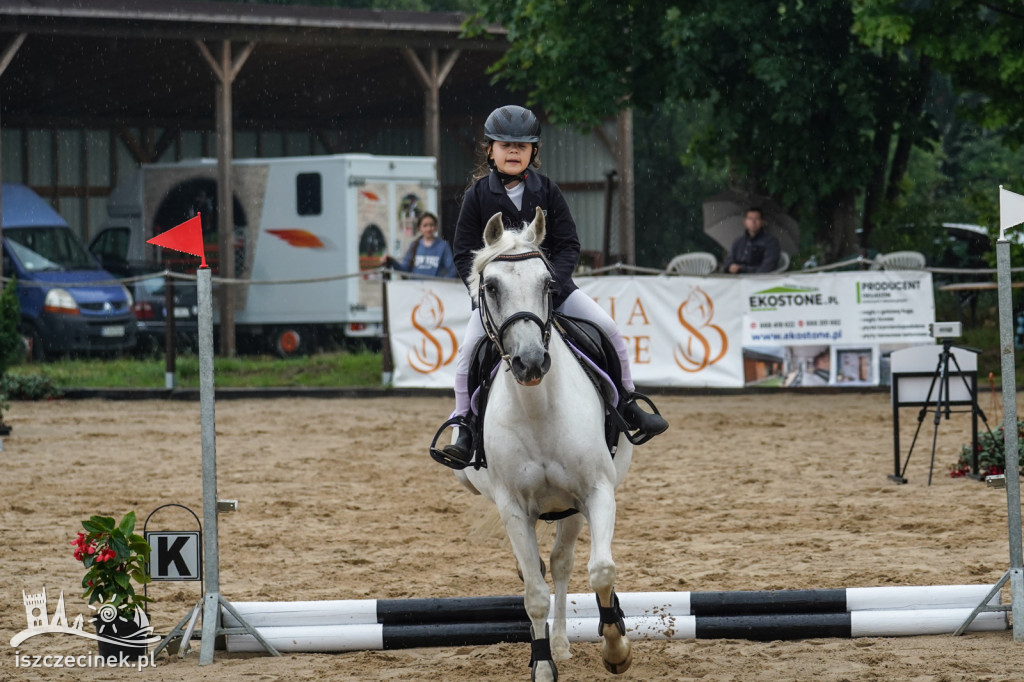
(544, 671)
(621, 667)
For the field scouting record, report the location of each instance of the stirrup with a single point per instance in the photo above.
(441, 456)
(639, 437)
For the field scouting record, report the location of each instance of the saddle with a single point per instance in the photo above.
(595, 353)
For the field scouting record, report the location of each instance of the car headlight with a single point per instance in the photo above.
(60, 301)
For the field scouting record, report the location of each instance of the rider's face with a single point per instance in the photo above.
(511, 157)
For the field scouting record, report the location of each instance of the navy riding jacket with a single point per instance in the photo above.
(487, 196)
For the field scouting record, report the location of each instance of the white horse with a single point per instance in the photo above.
(544, 441)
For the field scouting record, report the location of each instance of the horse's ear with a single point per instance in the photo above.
(494, 229)
(538, 226)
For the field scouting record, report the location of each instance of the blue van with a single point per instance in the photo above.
(68, 303)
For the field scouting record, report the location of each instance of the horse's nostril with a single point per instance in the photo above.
(546, 364)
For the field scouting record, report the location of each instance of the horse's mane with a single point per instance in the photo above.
(511, 241)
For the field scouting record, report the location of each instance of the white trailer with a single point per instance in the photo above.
(324, 219)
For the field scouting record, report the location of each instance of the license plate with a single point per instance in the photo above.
(180, 312)
(112, 331)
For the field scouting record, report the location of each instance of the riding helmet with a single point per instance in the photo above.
(512, 123)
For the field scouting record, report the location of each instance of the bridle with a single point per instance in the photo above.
(488, 320)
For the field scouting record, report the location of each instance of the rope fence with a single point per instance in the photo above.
(615, 268)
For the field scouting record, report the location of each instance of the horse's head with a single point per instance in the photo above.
(512, 282)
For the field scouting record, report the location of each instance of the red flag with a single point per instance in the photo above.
(187, 238)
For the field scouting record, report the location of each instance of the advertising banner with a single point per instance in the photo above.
(782, 330)
(834, 329)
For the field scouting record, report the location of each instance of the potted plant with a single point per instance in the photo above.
(991, 454)
(113, 557)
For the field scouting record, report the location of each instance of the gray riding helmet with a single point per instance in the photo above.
(512, 123)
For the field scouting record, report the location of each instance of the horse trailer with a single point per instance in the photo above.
(309, 233)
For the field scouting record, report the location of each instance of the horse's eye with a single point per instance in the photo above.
(491, 288)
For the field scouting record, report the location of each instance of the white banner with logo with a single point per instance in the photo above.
(782, 330)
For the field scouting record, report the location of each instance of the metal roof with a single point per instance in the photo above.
(24, 208)
(136, 62)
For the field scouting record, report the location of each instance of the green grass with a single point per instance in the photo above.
(340, 369)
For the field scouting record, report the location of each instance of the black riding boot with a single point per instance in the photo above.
(459, 454)
(647, 423)
(462, 448)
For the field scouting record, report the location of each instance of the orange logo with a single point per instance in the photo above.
(438, 345)
(300, 238)
(704, 343)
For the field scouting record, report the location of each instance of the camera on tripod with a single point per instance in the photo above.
(942, 331)
(940, 394)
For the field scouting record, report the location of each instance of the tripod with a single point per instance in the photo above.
(942, 406)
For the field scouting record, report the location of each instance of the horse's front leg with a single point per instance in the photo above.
(536, 596)
(616, 651)
(562, 552)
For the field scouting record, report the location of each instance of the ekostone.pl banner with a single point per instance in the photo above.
(788, 329)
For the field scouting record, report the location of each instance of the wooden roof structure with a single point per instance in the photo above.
(137, 62)
(152, 68)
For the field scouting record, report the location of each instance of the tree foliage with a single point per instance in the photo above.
(977, 44)
(409, 5)
(801, 109)
(10, 315)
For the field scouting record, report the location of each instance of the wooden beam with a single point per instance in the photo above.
(10, 51)
(137, 150)
(431, 78)
(5, 59)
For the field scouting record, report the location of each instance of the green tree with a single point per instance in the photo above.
(10, 339)
(671, 182)
(976, 43)
(410, 5)
(801, 109)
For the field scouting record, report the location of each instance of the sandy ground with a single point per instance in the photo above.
(338, 499)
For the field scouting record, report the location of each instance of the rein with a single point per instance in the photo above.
(496, 336)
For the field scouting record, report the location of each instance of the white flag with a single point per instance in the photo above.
(1011, 209)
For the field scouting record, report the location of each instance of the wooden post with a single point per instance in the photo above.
(624, 156)
(5, 59)
(226, 70)
(431, 80)
(170, 351)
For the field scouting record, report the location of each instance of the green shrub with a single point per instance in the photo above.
(991, 454)
(11, 347)
(28, 387)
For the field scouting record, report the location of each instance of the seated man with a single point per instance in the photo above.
(755, 250)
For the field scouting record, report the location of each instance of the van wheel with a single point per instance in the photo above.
(33, 341)
(290, 342)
